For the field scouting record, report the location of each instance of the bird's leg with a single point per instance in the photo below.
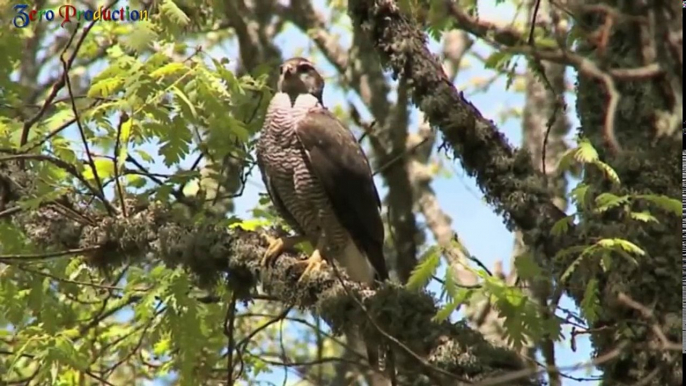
(316, 260)
(314, 263)
(276, 247)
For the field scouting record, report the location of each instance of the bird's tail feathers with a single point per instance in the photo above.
(381, 358)
(356, 264)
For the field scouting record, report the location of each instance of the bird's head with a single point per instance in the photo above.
(298, 76)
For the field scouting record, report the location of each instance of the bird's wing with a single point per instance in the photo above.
(281, 208)
(340, 165)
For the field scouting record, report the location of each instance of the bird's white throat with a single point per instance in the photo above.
(280, 107)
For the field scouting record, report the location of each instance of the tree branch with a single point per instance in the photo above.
(506, 176)
(210, 254)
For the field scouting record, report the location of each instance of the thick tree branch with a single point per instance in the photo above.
(506, 176)
(206, 250)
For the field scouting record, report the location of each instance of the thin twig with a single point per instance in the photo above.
(180, 197)
(229, 331)
(57, 130)
(648, 314)
(10, 211)
(83, 134)
(243, 344)
(158, 311)
(393, 160)
(83, 283)
(53, 93)
(390, 337)
(123, 119)
(45, 256)
(62, 80)
(508, 378)
(195, 164)
(533, 23)
(99, 379)
(315, 362)
(282, 346)
(71, 169)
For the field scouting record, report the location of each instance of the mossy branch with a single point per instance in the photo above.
(506, 176)
(427, 352)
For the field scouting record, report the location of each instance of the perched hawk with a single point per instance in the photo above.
(319, 179)
(320, 182)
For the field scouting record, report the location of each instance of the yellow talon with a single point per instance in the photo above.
(276, 247)
(314, 263)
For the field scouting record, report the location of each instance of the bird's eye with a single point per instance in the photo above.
(304, 67)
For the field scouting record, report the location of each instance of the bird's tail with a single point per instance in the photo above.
(359, 268)
(381, 358)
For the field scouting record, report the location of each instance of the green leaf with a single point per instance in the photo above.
(590, 304)
(609, 172)
(105, 87)
(144, 155)
(124, 136)
(664, 202)
(65, 352)
(191, 188)
(526, 267)
(498, 60)
(135, 181)
(643, 217)
(606, 261)
(163, 346)
(562, 225)
(250, 225)
(572, 267)
(450, 285)
(580, 193)
(169, 69)
(180, 95)
(177, 141)
(141, 37)
(585, 152)
(104, 167)
(607, 201)
(425, 269)
(566, 160)
(174, 13)
(446, 311)
(620, 244)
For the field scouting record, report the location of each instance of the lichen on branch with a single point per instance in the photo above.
(427, 352)
(506, 176)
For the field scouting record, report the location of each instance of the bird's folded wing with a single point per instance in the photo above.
(340, 165)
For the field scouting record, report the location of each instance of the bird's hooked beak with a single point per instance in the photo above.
(289, 70)
(297, 77)
(288, 77)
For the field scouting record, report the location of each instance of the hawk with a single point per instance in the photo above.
(320, 181)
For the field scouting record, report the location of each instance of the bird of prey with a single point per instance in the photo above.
(320, 182)
(319, 179)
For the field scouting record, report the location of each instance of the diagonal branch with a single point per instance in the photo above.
(83, 134)
(506, 176)
(61, 82)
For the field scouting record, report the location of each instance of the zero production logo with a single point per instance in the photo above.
(69, 13)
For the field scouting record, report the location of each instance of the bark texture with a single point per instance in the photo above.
(646, 164)
(426, 352)
(645, 116)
